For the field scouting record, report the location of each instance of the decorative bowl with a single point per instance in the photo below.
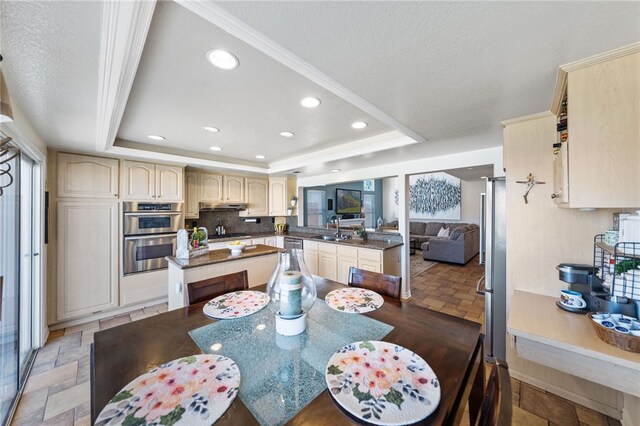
(236, 247)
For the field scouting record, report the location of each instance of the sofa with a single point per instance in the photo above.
(459, 247)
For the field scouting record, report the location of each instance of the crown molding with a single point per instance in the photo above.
(125, 26)
(369, 145)
(536, 116)
(259, 41)
(564, 70)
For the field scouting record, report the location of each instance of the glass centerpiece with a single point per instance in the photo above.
(292, 292)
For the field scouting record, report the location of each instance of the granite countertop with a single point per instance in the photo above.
(221, 256)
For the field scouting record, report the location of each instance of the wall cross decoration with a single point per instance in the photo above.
(530, 182)
(7, 153)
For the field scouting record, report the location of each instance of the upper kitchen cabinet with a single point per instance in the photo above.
(146, 181)
(233, 189)
(210, 187)
(257, 197)
(597, 151)
(281, 189)
(191, 196)
(83, 176)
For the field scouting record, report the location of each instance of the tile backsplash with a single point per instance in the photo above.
(232, 223)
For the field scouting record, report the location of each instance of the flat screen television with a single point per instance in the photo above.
(348, 201)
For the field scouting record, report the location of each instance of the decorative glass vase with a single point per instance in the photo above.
(292, 292)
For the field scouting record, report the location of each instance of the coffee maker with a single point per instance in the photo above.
(585, 280)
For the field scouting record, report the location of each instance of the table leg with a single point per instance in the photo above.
(477, 391)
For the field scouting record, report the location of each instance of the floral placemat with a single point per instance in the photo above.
(382, 383)
(236, 304)
(354, 300)
(195, 390)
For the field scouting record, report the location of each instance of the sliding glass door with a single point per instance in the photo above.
(9, 284)
(19, 273)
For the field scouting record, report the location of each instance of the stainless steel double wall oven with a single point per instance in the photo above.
(150, 231)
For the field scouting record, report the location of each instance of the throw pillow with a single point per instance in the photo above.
(446, 233)
(441, 232)
(456, 232)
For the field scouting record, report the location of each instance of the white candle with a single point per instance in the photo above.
(291, 294)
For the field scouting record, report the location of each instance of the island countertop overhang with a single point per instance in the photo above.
(221, 256)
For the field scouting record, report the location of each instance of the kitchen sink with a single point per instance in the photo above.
(325, 237)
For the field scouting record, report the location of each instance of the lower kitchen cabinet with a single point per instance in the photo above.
(328, 261)
(138, 288)
(347, 257)
(87, 257)
(310, 254)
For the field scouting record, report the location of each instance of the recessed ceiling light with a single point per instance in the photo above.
(310, 102)
(286, 134)
(156, 137)
(359, 125)
(260, 157)
(222, 59)
(210, 129)
(335, 170)
(215, 148)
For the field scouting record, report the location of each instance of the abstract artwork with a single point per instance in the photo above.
(434, 196)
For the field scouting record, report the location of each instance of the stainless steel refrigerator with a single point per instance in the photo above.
(493, 243)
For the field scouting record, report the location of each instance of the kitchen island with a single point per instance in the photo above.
(258, 262)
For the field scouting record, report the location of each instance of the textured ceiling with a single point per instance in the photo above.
(451, 71)
(51, 51)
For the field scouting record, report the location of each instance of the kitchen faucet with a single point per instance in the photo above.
(337, 226)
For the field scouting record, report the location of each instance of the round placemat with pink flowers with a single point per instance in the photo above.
(195, 390)
(382, 383)
(353, 300)
(236, 304)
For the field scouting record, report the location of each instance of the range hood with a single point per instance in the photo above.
(222, 207)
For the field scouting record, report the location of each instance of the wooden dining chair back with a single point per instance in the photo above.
(496, 404)
(199, 291)
(388, 285)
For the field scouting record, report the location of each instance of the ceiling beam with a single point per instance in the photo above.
(125, 25)
(259, 41)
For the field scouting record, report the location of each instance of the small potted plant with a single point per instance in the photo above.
(294, 200)
(360, 232)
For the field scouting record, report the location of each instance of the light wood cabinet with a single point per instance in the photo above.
(87, 257)
(257, 197)
(280, 191)
(347, 257)
(310, 254)
(210, 187)
(603, 118)
(83, 176)
(233, 189)
(147, 181)
(168, 183)
(328, 261)
(271, 241)
(191, 196)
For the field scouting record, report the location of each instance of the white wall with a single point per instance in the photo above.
(389, 206)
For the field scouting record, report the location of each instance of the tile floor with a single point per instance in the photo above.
(57, 391)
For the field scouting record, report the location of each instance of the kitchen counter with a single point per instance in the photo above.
(546, 335)
(220, 256)
(258, 262)
(370, 244)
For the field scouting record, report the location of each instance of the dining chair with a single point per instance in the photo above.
(199, 291)
(496, 404)
(388, 285)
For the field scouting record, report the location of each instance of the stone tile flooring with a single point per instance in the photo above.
(57, 391)
(451, 289)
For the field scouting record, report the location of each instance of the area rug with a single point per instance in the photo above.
(419, 265)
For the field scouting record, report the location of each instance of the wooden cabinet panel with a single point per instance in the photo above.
(83, 176)
(257, 197)
(210, 187)
(311, 259)
(255, 241)
(344, 263)
(87, 257)
(271, 241)
(168, 183)
(604, 134)
(370, 265)
(233, 191)
(138, 181)
(278, 196)
(370, 254)
(328, 265)
(191, 210)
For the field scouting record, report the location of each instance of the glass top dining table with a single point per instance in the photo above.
(450, 345)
